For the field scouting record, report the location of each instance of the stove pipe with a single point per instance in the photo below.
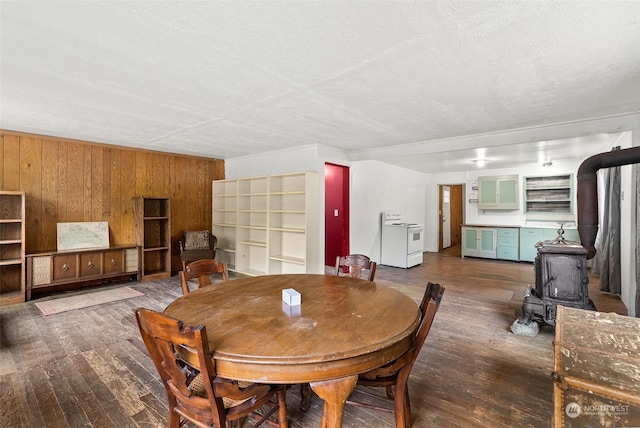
(587, 195)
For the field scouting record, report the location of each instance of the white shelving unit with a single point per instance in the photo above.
(251, 241)
(293, 221)
(225, 220)
(268, 224)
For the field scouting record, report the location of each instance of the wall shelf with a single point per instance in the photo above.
(152, 217)
(12, 247)
(549, 197)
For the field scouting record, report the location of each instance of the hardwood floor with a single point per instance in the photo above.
(89, 367)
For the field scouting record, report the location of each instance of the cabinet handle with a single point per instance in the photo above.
(65, 267)
(90, 264)
(113, 262)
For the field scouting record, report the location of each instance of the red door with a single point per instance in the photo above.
(336, 212)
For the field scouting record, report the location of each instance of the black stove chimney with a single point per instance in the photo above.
(587, 194)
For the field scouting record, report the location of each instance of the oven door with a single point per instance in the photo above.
(414, 237)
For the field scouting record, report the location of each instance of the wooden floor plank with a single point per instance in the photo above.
(48, 404)
(102, 392)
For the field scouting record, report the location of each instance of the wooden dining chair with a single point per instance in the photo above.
(354, 264)
(202, 271)
(394, 376)
(195, 393)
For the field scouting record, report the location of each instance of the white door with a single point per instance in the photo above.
(446, 217)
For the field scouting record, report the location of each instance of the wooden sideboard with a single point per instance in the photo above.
(56, 268)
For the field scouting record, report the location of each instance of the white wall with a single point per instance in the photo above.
(378, 187)
(628, 219)
(304, 158)
(474, 215)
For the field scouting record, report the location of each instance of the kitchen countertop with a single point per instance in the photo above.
(528, 225)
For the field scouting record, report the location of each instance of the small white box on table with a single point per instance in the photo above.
(291, 297)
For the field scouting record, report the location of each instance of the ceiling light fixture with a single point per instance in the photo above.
(547, 164)
(480, 162)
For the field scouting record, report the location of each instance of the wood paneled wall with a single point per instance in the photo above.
(70, 181)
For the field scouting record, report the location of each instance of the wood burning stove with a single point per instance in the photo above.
(560, 266)
(561, 279)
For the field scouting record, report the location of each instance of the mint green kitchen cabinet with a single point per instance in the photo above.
(498, 193)
(479, 242)
(508, 244)
(529, 236)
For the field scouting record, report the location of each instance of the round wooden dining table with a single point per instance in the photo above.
(343, 327)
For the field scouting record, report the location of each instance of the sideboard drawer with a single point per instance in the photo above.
(90, 264)
(64, 266)
(113, 261)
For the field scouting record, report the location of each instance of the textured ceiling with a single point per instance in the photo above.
(227, 79)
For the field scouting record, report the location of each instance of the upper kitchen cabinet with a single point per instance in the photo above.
(549, 197)
(498, 193)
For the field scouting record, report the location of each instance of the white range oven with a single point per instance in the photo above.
(402, 243)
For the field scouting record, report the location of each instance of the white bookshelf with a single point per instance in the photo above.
(276, 227)
(225, 220)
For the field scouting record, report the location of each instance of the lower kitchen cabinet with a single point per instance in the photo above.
(530, 236)
(509, 243)
(479, 242)
(508, 247)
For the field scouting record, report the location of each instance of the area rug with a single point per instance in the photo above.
(64, 304)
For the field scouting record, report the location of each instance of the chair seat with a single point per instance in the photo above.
(193, 255)
(198, 389)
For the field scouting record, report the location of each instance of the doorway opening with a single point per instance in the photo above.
(336, 212)
(450, 218)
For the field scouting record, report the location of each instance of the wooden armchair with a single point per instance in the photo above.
(197, 245)
(354, 264)
(396, 373)
(195, 393)
(202, 271)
